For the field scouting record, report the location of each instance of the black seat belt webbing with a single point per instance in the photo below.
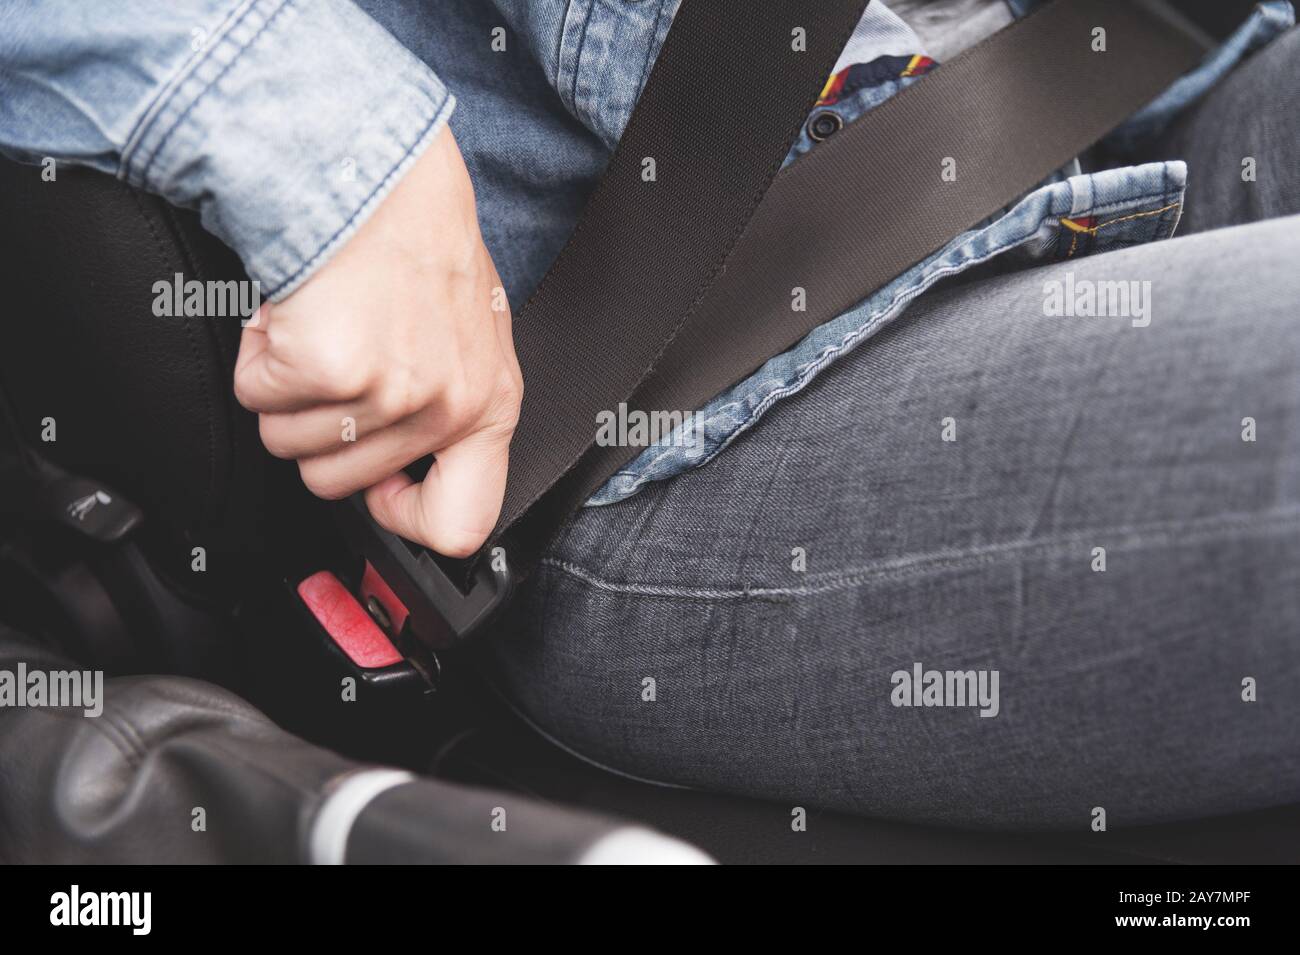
(864, 206)
(723, 103)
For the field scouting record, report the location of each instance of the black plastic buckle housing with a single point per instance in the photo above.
(442, 612)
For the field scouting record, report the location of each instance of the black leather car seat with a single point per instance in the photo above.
(142, 402)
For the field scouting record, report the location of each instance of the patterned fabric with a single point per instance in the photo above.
(880, 70)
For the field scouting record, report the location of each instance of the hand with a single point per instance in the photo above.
(398, 347)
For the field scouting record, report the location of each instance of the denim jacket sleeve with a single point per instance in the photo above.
(284, 122)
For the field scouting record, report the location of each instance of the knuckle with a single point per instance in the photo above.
(400, 396)
(513, 393)
(339, 375)
(346, 380)
(242, 384)
(506, 404)
(461, 406)
(459, 542)
(273, 437)
(322, 481)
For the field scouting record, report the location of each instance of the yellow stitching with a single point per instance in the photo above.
(1138, 215)
(1092, 230)
(1076, 228)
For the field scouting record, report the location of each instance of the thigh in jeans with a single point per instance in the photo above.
(1105, 512)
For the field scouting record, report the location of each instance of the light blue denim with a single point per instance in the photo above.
(283, 122)
(1266, 22)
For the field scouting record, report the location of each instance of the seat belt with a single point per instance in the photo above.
(872, 201)
(676, 286)
(721, 108)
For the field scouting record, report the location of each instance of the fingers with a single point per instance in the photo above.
(321, 371)
(399, 346)
(320, 431)
(259, 384)
(454, 509)
(367, 462)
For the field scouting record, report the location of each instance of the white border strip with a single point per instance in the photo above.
(633, 845)
(328, 842)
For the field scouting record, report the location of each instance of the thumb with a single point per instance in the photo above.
(456, 506)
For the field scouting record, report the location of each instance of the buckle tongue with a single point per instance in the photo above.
(440, 612)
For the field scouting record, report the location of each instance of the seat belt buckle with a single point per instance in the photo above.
(428, 601)
(359, 633)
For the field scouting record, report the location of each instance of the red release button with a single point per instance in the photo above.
(347, 622)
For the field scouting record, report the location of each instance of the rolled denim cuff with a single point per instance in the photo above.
(286, 129)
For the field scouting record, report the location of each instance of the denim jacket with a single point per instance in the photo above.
(286, 122)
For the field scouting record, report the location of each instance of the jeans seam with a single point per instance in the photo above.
(652, 50)
(579, 110)
(1119, 540)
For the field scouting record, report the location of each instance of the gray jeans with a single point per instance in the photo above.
(1100, 529)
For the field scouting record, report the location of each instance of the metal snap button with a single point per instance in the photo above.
(824, 125)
